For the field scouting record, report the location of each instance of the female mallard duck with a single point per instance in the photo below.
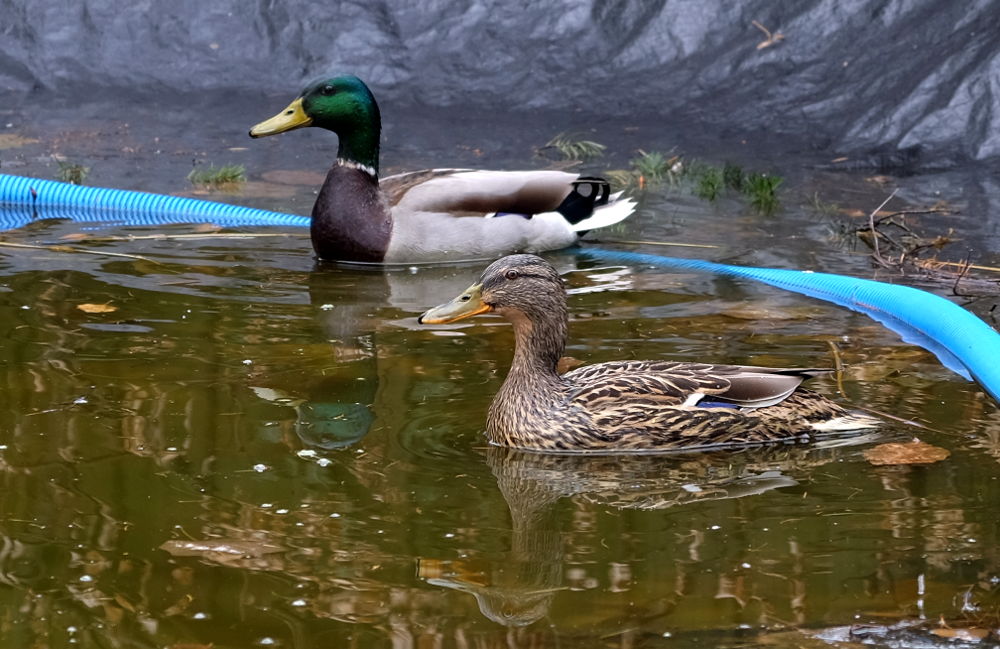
(433, 215)
(626, 405)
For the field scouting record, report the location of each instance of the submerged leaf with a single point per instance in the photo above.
(915, 452)
(971, 634)
(278, 396)
(235, 547)
(97, 308)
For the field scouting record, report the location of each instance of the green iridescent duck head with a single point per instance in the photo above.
(343, 105)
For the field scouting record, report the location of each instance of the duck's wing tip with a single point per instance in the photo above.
(615, 211)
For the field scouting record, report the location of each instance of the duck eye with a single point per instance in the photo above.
(328, 90)
(511, 274)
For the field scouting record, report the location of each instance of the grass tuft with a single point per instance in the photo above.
(212, 176)
(702, 179)
(733, 176)
(709, 183)
(762, 190)
(825, 208)
(621, 178)
(652, 166)
(574, 148)
(70, 172)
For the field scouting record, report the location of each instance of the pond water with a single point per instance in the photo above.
(252, 449)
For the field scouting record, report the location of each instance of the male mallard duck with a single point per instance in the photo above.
(626, 405)
(433, 215)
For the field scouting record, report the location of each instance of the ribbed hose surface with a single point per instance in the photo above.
(23, 200)
(963, 342)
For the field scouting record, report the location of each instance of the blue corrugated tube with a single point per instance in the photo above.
(961, 341)
(23, 200)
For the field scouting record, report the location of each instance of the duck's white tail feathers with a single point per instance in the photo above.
(616, 210)
(851, 421)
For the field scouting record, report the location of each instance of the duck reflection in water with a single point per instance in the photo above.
(337, 406)
(518, 588)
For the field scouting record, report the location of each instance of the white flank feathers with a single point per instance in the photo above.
(854, 421)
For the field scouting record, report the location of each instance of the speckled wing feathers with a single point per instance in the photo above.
(650, 404)
(666, 381)
(631, 385)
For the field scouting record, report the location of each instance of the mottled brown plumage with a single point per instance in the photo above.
(626, 405)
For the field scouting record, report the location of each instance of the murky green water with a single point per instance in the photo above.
(251, 450)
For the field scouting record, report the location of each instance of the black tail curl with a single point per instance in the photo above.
(588, 192)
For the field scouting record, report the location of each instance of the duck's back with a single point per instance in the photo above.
(679, 383)
(460, 214)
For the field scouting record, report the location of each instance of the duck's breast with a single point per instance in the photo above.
(350, 220)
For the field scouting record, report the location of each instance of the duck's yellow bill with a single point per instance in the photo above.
(466, 305)
(291, 118)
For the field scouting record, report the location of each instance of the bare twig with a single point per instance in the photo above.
(838, 367)
(963, 270)
(895, 243)
(8, 244)
(886, 221)
(209, 235)
(935, 264)
(874, 232)
(772, 38)
(893, 221)
(931, 210)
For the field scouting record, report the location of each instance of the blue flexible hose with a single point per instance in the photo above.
(961, 341)
(23, 200)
